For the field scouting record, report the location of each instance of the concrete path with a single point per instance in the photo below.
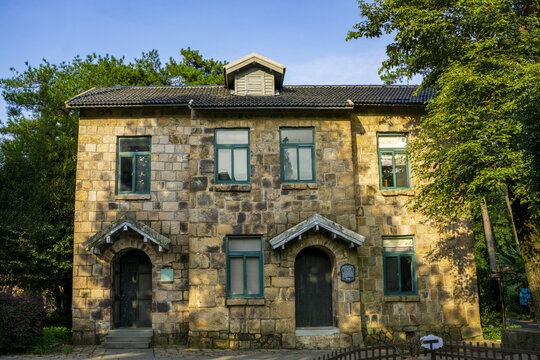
(174, 352)
(526, 324)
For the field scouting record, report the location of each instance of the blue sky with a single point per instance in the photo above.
(307, 36)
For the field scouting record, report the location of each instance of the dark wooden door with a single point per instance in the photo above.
(313, 288)
(133, 290)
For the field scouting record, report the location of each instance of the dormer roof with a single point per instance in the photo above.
(254, 59)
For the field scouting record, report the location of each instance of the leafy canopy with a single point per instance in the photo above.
(481, 131)
(38, 150)
(483, 58)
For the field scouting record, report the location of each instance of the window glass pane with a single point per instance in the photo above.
(401, 170)
(393, 141)
(289, 164)
(406, 273)
(253, 276)
(135, 144)
(224, 165)
(305, 163)
(245, 244)
(297, 136)
(240, 165)
(237, 275)
(232, 137)
(392, 275)
(126, 173)
(141, 173)
(387, 170)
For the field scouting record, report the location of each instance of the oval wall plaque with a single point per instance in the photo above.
(347, 273)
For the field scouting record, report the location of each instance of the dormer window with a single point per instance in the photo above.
(254, 75)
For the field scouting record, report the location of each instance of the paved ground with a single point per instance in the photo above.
(173, 352)
(527, 324)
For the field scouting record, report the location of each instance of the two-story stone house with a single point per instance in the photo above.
(259, 215)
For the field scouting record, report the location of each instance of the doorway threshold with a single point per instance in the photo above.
(316, 331)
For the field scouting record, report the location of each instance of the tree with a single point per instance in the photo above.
(481, 130)
(38, 150)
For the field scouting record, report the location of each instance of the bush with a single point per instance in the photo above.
(50, 338)
(59, 318)
(21, 320)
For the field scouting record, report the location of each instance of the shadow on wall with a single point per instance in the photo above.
(456, 249)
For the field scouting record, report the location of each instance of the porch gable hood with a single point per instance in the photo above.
(317, 221)
(106, 235)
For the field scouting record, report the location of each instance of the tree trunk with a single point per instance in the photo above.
(510, 213)
(490, 241)
(530, 249)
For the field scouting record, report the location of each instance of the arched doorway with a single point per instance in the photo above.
(132, 285)
(313, 288)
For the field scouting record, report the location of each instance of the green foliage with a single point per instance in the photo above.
(481, 131)
(21, 320)
(38, 149)
(50, 338)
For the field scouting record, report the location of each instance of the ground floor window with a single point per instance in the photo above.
(399, 265)
(244, 266)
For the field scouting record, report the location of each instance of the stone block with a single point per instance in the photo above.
(267, 326)
(282, 310)
(278, 281)
(203, 276)
(211, 319)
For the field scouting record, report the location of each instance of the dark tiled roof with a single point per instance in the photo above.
(219, 97)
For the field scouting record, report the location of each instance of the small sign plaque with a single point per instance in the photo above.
(347, 273)
(167, 275)
(524, 296)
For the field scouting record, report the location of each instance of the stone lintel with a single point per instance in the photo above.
(245, 301)
(233, 187)
(402, 298)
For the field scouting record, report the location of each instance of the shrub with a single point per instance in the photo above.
(50, 338)
(59, 318)
(21, 320)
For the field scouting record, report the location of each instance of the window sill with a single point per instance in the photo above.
(397, 192)
(233, 187)
(132, 197)
(245, 301)
(299, 186)
(402, 298)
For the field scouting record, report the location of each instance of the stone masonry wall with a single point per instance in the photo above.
(165, 209)
(264, 207)
(447, 300)
(186, 206)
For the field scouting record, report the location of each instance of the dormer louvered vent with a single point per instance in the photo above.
(254, 75)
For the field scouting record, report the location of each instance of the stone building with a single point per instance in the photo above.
(258, 215)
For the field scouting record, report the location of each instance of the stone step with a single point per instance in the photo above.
(131, 332)
(128, 338)
(126, 345)
(134, 338)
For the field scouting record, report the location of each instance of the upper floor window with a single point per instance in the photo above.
(133, 165)
(244, 266)
(232, 156)
(399, 265)
(297, 154)
(393, 161)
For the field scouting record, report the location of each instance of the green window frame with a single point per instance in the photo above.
(244, 266)
(296, 167)
(230, 154)
(399, 265)
(394, 171)
(133, 165)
